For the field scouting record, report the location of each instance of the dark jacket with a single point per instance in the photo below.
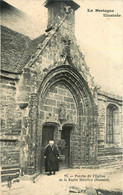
(51, 160)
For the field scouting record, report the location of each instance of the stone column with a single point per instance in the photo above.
(33, 116)
(59, 131)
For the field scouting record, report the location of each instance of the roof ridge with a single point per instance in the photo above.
(5, 27)
(29, 64)
(42, 47)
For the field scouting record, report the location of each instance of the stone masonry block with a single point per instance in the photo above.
(61, 91)
(50, 102)
(68, 99)
(47, 108)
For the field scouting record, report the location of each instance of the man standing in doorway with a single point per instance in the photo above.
(51, 156)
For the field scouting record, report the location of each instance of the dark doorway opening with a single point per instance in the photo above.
(48, 133)
(65, 134)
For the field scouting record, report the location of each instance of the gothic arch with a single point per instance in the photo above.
(84, 138)
(72, 79)
(86, 108)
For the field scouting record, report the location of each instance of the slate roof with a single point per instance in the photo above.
(13, 45)
(30, 51)
(19, 21)
(16, 49)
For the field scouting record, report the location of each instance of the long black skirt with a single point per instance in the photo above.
(51, 163)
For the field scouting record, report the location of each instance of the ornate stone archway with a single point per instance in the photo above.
(84, 138)
(86, 109)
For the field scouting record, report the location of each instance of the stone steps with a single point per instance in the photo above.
(9, 173)
(111, 165)
(104, 165)
(110, 158)
(110, 161)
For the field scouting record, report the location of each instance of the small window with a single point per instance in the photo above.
(112, 117)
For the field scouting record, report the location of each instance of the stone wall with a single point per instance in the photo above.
(54, 86)
(56, 97)
(109, 152)
(11, 126)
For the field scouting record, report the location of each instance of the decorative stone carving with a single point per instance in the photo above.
(68, 9)
(51, 117)
(70, 117)
(66, 51)
(62, 113)
(67, 42)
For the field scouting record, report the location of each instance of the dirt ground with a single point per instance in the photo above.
(69, 182)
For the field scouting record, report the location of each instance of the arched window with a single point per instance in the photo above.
(112, 124)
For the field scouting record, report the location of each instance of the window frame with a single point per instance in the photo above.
(110, 119)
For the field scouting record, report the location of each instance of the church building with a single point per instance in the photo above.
(47, 93)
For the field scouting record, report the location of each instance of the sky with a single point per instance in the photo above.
(100, 38)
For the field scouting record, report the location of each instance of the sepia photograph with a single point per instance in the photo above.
(61, 86)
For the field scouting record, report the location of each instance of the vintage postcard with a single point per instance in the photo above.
(61, 97)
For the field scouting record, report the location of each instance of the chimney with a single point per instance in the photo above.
(57, 10)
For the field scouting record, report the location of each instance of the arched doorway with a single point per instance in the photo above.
(51, 131)
(78, 107)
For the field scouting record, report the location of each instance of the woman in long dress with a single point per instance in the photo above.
(51, 156)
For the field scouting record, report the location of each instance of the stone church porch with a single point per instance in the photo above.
(49, 94)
